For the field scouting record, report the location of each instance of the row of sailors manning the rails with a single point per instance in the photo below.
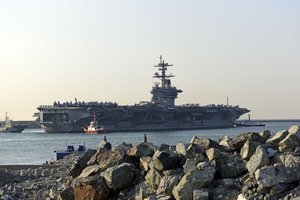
(114, 104)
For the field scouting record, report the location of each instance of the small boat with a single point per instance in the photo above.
(93, 128)
(248, 123)
(70, 149)
(9, 127)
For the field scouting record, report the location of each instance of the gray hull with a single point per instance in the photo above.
(135, 118)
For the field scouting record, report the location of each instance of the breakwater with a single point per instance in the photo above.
(249, 165)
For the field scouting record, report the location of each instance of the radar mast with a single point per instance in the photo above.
(165, 94)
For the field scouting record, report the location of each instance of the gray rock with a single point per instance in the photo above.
(104, 144)
(181, 149)
(227, 166)
(165, 160)
(257, 160)
(278, 137)
(238, 141)
(272, 175)
(204, 143)
(106, 159)
(271, 152)
(195, 152)
(288, 159)
(164, 147)
(142, 191)
(295, 130)
(80, 163)
(193, 180)
(124, 147)
(89, 171)
(167, 184)
(248, 149)
(141, 150)
(171, 172)
(153, 178)
(289, 143)
(201, 194)
(145, 163)
(120, 176)
(189, 165)
(265, 135)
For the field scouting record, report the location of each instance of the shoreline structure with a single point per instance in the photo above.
(248, 166)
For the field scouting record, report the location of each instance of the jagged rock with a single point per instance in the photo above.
(165, 160)
(227, 166)
(226, 189)
(288, 159)
(279, 188)
(193, 180)
(124, 147)
(194, 152)
(271, 175)
(295, 130)
(181, 149)
(145, 163)
(142, 191)
(141, 150)
(266, 134)
(257, 160)
(167, 184)
(213, 153)
(66, 194)
(90, 170)
(171, 172)
(120, 176)
(153, 178)
(289, 143)
(204, 143)
(104, 144)
(271, 152)
(278, 137)
(107, 159)
(80, 163)
(189, 165)
(238, 141)
(248, 149)
(164, 147)
(225, 142)
(159, 197)
(201, 194)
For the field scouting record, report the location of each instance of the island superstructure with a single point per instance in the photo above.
(160, 113)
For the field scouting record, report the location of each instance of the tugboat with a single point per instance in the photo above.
(8, 127)
(248, 123)
(93, 128)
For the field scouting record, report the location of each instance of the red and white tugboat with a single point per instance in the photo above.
(93, 128)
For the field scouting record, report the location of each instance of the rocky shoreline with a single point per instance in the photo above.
(249, 166)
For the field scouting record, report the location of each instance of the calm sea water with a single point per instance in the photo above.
(35, 147)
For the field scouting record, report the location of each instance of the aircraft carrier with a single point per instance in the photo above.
(159, 114)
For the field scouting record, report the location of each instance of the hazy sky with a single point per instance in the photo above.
(57, 50)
